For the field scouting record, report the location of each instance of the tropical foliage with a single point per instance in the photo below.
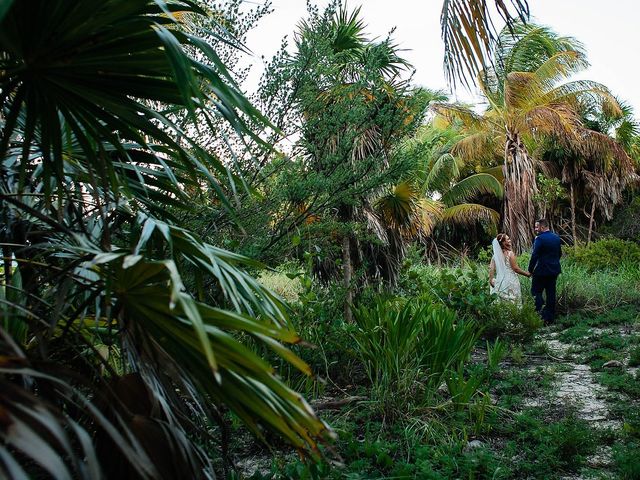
(94, 264)
(528, 104)
(180, 259)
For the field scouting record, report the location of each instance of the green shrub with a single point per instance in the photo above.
(605, 254)
(465, 290)
(634, 357)
(506, 319)
(409, 346)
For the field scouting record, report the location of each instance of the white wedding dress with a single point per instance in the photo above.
(507, 284)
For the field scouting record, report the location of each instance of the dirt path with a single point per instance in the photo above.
(578, 387)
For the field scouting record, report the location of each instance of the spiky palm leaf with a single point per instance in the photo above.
(88, 170)
(522, 48)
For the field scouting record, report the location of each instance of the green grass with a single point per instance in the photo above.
(623, 314)
(617, 380)
(634, 357)
(598, 291)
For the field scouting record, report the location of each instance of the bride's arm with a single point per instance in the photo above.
(492, 272)
(514, 265)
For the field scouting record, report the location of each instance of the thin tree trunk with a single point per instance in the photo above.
(519, 190)
(591, 220)
(347, 271)
(573, 213)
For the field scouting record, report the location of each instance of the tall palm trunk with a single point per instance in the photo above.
(519, 189)
(347, 271)
(573, 213)
(591, 220)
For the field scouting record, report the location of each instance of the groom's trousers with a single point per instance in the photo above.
(546, 284)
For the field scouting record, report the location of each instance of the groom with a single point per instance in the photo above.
(545, 268)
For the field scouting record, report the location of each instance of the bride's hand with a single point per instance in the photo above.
(492, 282)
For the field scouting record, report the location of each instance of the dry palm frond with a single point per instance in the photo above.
(456, 113)
(556, 120)
(605, 192)
(428, 214)
(375, 223)
(366, 144)
(549, 169)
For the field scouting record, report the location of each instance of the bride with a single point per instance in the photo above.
(503, 269)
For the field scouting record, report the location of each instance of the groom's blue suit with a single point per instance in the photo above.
(545, 268)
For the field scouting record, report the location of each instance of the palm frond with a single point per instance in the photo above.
(470, 214)
(497, 172)
(469, 35)
(148, 64)
(441, 173)
(397, 207)
(524, 48)
(526, 88)
(479, 147)
(472, 186)
(585, 95)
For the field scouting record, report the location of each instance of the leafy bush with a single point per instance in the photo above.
(464, 290)
(404, 345)
(506, 319)
(605, 254)
(634, 357)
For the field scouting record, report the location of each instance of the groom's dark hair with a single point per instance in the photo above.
(543, 223)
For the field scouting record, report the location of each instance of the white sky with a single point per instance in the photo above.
(609, 30)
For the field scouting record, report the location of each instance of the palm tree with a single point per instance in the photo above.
(355, 105)
(599, 178)
(530, 106)
(438, 190)
(106, 354)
